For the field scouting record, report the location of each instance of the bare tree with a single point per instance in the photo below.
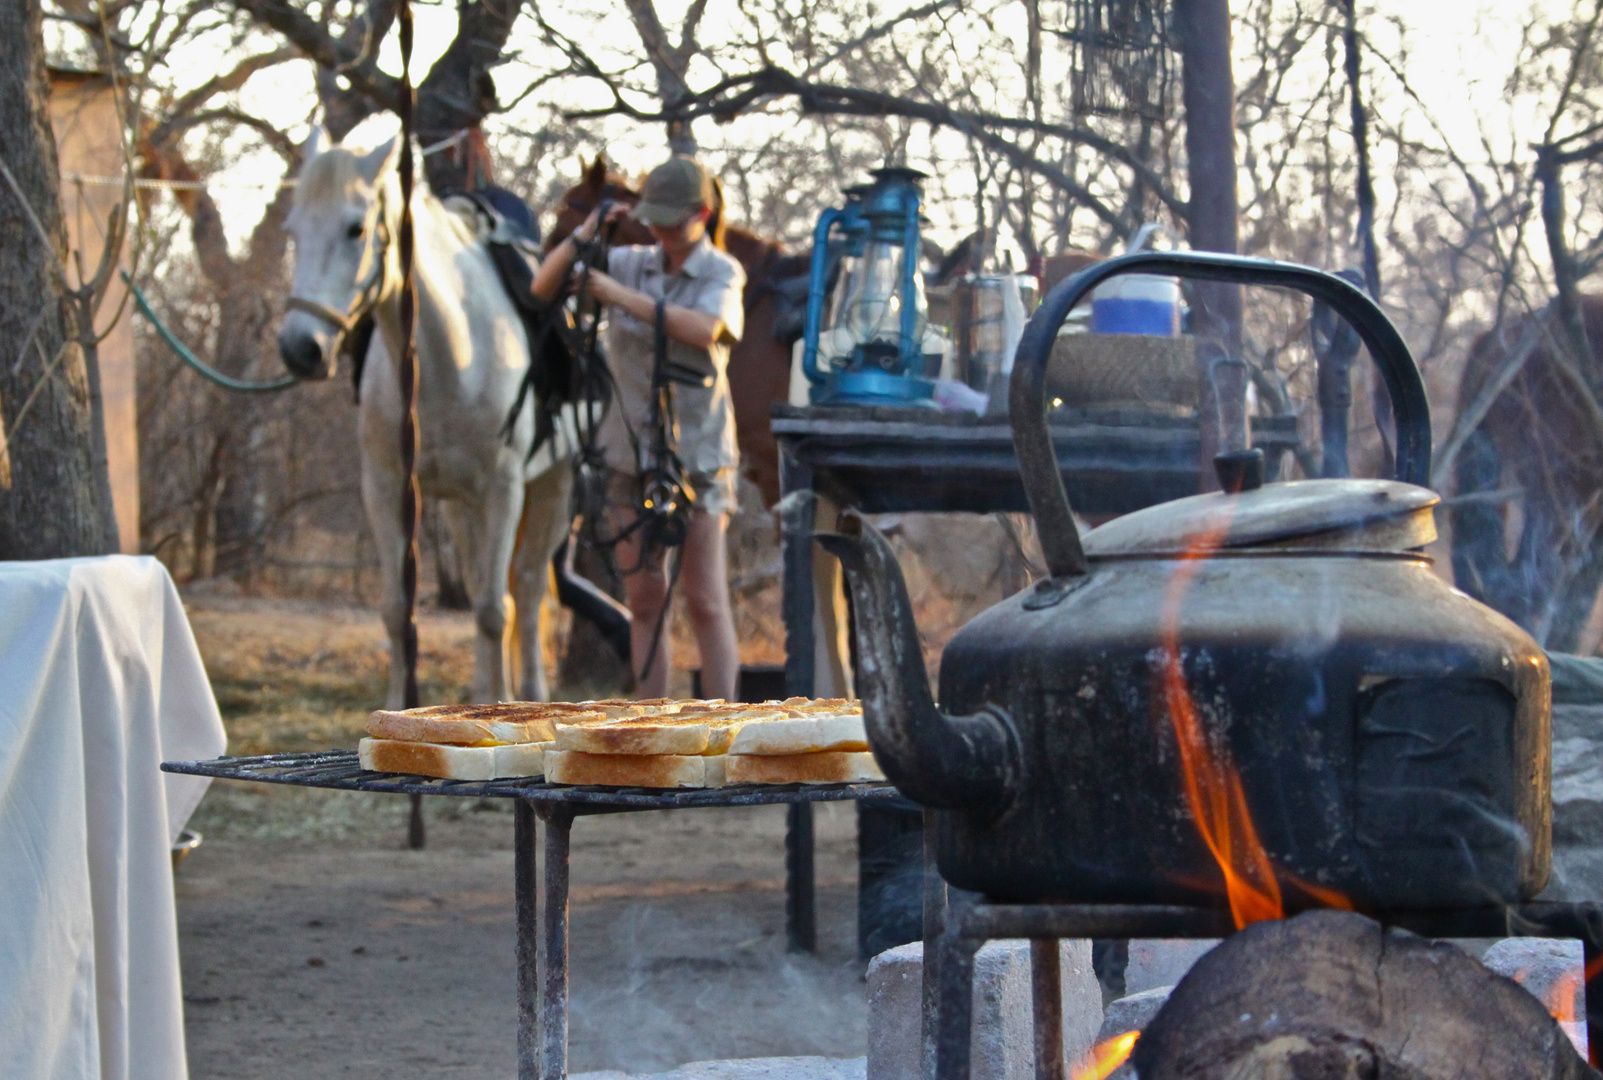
(54, 491)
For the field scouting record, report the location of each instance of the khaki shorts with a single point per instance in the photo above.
(715, 491)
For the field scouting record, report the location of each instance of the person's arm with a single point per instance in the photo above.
(554, 268)
(698, 329)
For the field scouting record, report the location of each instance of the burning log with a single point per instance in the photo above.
(1331, 995)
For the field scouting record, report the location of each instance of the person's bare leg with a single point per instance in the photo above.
(704, 578)
(646, 591)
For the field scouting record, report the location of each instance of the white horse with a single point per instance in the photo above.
(505, 513)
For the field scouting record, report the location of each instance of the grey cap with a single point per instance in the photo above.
(673, 191)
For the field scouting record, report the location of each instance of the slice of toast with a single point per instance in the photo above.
(829, 767)
(626, 770)
(803, 735)
(469, 725)
(697, 728)
(452, 762)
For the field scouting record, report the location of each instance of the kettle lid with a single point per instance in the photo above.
(1339, 515)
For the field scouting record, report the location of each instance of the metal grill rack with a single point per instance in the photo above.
(542, 899)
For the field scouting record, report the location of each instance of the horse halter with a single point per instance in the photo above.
(367, 293)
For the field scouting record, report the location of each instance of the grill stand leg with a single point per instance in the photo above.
(801, 914)
(415, 834)
(952, 1047)
(934, 931)
(796, 544)
(527, 912)
(1046, 997)
(553, 961)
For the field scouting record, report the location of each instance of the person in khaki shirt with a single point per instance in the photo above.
(703, 318)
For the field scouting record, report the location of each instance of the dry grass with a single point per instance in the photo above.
(295, 675)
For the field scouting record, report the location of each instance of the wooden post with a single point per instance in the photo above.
(410, 502)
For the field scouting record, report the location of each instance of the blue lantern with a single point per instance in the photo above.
(865, 339)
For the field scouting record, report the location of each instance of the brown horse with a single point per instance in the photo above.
(1533, 438)
(759, 366)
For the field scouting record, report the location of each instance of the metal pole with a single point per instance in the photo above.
(1046, 997)
(796, 539)
(525, 876)
(952, 1042)
(934, 931)
(801, 913)
(408, 378)
(554, 946)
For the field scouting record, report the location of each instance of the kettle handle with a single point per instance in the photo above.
(1032, 439)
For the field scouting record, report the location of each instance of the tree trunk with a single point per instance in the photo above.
(50, 503)
(1210, 105)
(1330, 995)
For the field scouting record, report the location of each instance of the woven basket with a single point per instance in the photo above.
(1123, 369)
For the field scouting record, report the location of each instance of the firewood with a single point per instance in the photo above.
(1331, 995)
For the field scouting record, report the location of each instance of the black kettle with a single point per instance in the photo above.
(1390, 735)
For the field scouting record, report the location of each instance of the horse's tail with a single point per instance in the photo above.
(715, 222)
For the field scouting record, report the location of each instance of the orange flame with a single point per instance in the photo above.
(1213, 788)
(1108, 1056)
(1561, 998)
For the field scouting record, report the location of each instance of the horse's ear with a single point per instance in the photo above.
(376, 162)
(317, 141)
(595, 176)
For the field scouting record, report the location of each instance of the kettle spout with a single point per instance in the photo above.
(950, 762)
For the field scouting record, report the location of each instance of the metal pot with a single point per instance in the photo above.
(1391, 735)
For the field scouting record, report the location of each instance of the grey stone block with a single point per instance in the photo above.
(770, 1068)
(1132, 1012)
(1577, 792)
(1156, 962)
(1553, 969)
(1002, 1032)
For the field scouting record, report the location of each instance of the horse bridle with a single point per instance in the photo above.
(367, 294)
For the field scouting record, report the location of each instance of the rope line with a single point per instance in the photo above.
(227, 382)
(159, 184)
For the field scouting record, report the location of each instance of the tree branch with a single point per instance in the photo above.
(178, 116)
(733, 96)
(314, 41)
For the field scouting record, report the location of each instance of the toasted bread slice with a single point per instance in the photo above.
(829, 767)
(805, 706)
(803, 735)
(697, 728)
(626, 770)
(452, 762)
(469, 725)
(621, 708)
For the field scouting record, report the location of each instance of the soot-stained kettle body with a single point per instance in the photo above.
(1391, 735)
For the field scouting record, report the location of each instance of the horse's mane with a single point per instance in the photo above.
(332, 176)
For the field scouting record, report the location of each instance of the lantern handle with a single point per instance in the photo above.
(1027, 401)
(817, 272)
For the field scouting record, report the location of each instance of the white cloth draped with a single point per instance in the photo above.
(102, 682)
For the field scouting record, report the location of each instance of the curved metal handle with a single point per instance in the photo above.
(816, 270)
(1038, 465)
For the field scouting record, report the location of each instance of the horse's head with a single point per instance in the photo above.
(341, 225)
(598, 185)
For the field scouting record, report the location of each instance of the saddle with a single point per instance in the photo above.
(555, 378)
(507, 228)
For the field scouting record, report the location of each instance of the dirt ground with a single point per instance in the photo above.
(314, 944)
